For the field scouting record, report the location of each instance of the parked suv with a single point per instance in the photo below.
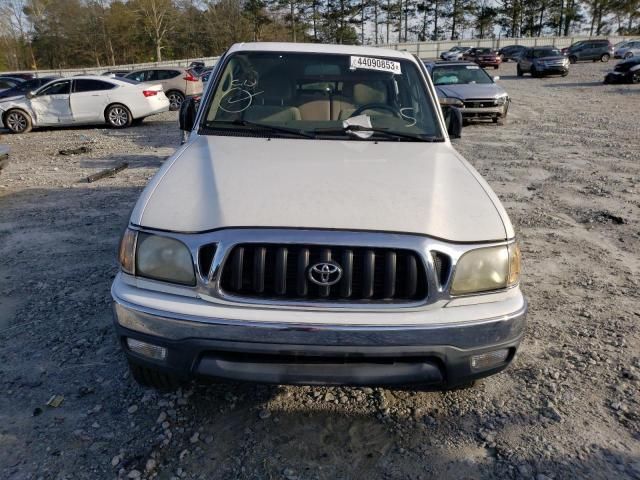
(177, 83)
(540, 61)
(511, 52)
(318, 227)
(589, 50)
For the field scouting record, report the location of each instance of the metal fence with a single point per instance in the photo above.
(208, 61)
(434, 49)
(421, 49)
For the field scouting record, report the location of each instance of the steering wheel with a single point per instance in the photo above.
(376, 106)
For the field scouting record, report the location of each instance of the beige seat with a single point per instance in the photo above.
(314, 106)
(274, 104)
(271, 113)
(362, 94)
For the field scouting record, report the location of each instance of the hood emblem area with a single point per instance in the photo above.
(325, 274)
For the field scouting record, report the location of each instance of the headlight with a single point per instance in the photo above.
(501, 100)
(164, 258)
(487, 269)
(156, 257)
(454, 102)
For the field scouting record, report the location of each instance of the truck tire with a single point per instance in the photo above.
(148, 377)
(573, 59)
(519, 71)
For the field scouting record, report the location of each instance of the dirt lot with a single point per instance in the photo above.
(566, 166)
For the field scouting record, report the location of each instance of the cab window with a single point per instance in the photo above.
(91, 86)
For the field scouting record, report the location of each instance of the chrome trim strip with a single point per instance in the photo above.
(208, 285)
(171, 326)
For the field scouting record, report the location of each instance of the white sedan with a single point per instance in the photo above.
(85, 100)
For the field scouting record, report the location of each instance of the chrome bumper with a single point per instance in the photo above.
(407, 338)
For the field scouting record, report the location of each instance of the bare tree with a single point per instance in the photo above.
(155, 16)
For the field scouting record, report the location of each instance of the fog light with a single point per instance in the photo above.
(489, 360)
(147, 349)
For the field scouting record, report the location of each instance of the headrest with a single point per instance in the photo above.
(374, 92)
(277, 91)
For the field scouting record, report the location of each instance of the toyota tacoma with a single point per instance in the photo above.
(318, 227)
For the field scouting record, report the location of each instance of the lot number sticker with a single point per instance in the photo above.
(379, 64)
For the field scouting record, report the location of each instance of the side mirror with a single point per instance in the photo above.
(30, 94)
(188, 112)
(453, 120)
(496, 78)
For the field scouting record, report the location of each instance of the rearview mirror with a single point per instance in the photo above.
(453, 120)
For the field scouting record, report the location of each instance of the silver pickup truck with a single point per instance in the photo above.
(318, 227)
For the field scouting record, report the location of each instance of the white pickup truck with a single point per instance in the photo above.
(318, 227)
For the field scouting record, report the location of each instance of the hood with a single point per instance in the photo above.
(10, 98)
(218, 182)
(470, 90)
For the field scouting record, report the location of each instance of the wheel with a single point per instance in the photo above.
(175, 100)
(17, 121)
(635, 78)
(564, 74)
(519, 71)
(118, 116)
(573, 59)
(503, 119)
(628, 55)
(534, 72)
(148, 377)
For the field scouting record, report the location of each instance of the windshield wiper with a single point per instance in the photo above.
(266, 126)
(415, 137)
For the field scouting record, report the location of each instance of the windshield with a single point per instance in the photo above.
(460, 75)
(484, 51)
(315, 93)
(547, 52)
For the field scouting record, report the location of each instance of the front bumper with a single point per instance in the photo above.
(485, 112)
(618, 77)
(552, 69)
(314, 353)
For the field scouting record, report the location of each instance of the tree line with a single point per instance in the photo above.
(48, 34)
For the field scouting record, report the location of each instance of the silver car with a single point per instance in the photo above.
(628, 49)
(471, 89)
(454, 53)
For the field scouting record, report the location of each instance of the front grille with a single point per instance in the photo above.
(480, 103)
(265, 271)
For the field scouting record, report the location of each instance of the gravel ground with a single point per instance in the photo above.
(566, 166)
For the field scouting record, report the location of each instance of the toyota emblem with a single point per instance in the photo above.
(325, 274)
